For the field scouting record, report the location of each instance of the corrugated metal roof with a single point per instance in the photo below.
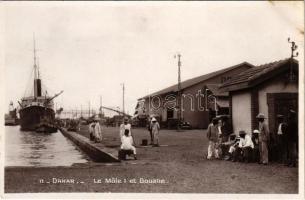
(196, 80)
(244, 78)
(214, 88)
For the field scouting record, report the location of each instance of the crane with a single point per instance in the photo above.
(117, 111)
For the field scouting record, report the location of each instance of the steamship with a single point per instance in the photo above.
(38, 109)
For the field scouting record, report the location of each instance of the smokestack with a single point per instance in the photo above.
(37, 87)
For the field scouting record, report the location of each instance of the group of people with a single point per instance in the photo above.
(95, 131)
(253, 147)
(126, 136)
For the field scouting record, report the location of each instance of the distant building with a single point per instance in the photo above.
(198, 106)
(270, 89)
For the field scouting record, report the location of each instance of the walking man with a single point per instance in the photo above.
(212, 135)
(263, 138)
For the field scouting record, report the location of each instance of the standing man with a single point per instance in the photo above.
(98, 131)
(149, 125)
(282, 139)
(292, 130)
(91, 131)
(155, 128)
(263, 138)
(212, 135)
(226, 131)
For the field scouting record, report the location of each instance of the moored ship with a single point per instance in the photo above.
(38, 108)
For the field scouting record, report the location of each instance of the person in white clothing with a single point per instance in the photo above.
(127, 143)
(98, 132)
(155, 128)
(125, 126)
(247, 147)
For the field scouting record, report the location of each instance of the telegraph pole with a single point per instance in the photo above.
(89, 110)
(179, 90)
(123, 99)
(293, 49)
(101, 105)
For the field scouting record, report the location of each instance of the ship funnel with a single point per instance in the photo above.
(37, 87)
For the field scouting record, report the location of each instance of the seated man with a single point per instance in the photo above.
(237, 153)
(234, 150)
(127, 143)
(226, 146)
(247, 148)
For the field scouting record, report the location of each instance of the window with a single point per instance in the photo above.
(170, 114)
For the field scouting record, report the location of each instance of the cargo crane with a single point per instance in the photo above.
(117, 111)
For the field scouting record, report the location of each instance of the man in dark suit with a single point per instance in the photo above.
(293, 136)
(282, 144)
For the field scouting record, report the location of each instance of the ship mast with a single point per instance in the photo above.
(37, 81)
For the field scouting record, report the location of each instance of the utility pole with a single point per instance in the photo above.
(89, 110)
(81, 111)
(293, 49)
(101, 106)
(179, 90)
(123, 99)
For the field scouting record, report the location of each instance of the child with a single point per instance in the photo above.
(127, 143)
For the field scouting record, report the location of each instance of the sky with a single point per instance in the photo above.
(88, 49)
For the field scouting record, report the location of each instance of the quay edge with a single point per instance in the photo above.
(97, 154)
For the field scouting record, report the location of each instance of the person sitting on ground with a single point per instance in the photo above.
(227, 145)
(233, 148)
(247, 148)
(127, 143)
(238, 153)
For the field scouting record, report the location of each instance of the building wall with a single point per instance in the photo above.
(241, 111)
(197, 117)
(194, 109)
(275, 86)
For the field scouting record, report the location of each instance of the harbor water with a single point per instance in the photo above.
(24, 148)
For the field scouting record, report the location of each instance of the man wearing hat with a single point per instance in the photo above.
(263, 138)
(155, 128)
(282, 139)
(125, 126)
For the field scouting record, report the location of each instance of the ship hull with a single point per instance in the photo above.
(31, 117)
